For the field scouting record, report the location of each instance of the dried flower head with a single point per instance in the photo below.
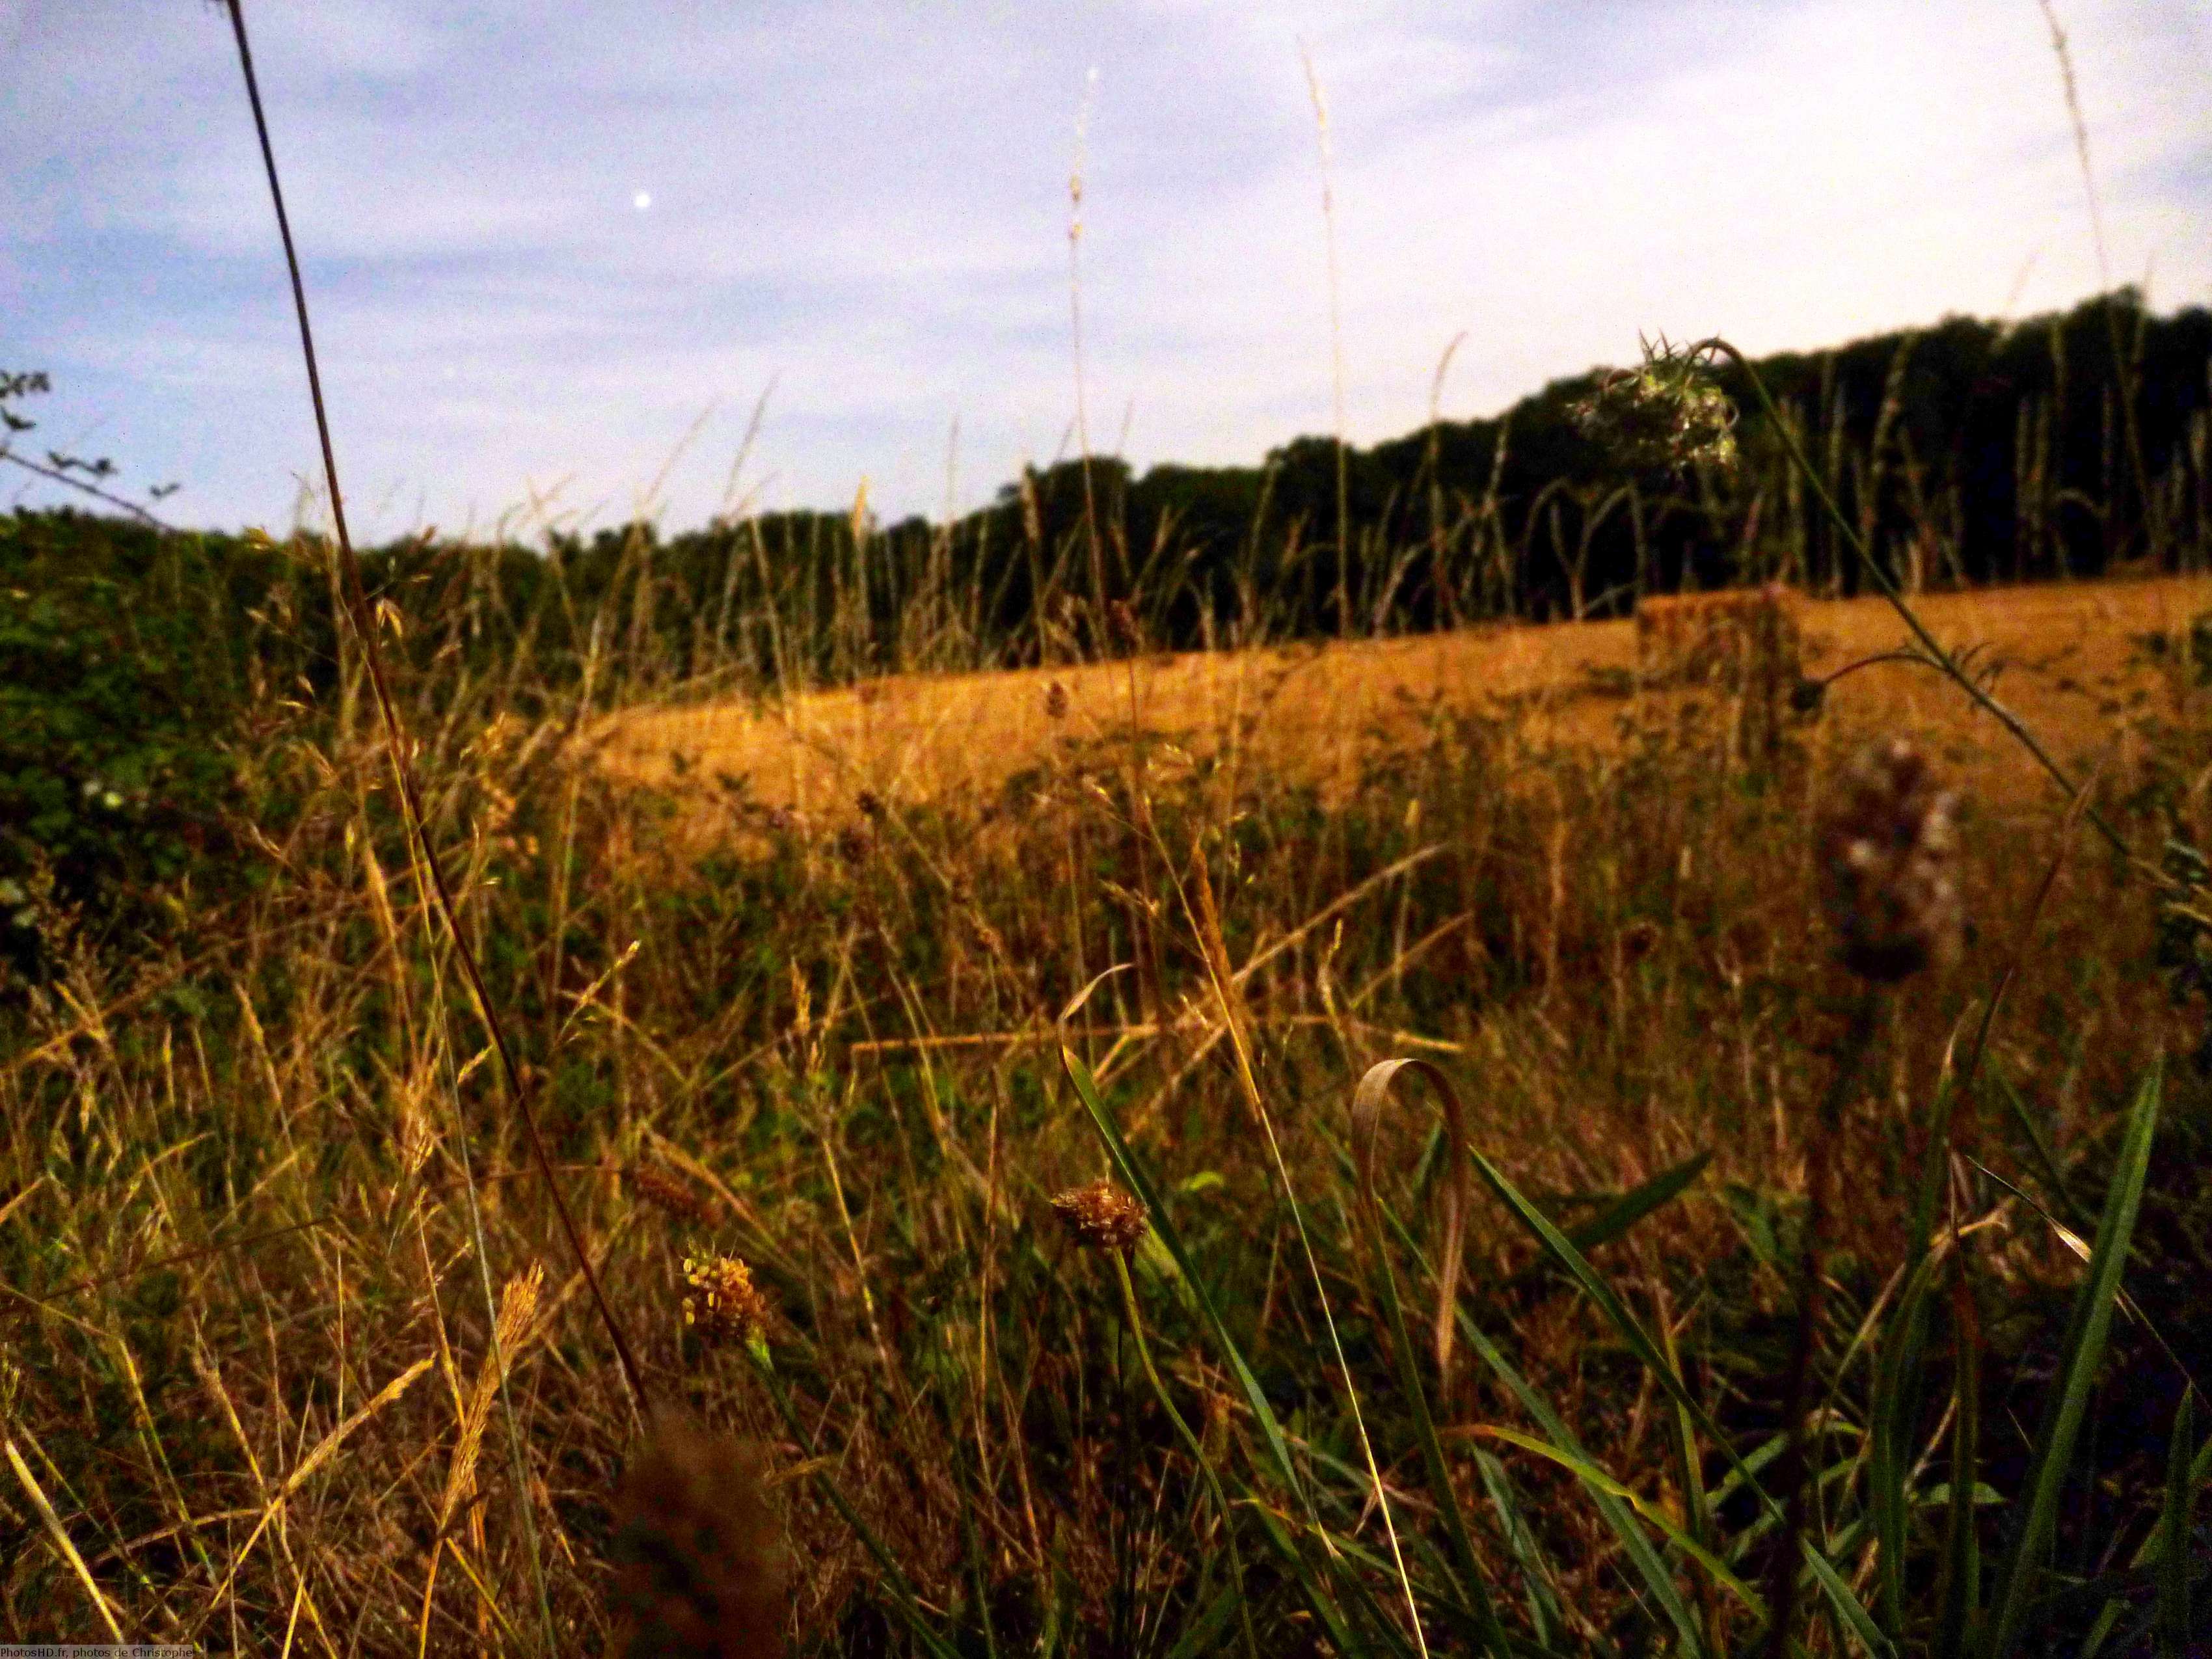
(676, 1198)
(1666, 414)
(725, 1304)
(869, 803)
(1122, 625)
(1639, 939)
(1055, 701)
(1102, 1216)
(700, 1569)
(1890, 851)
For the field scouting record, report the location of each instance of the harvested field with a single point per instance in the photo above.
(2067, 658)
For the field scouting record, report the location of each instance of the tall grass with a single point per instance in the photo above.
(1702, 1365)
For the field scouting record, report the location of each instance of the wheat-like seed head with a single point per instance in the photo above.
(678, 1198)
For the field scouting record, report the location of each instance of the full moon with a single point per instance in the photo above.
(643, 200)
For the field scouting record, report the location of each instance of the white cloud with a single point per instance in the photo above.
(870, 205)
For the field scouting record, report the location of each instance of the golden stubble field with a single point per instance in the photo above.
(2067, 659)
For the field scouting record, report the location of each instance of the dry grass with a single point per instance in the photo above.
(1318, 714)
(823, 1049)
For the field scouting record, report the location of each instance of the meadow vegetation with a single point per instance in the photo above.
(1720, 1189)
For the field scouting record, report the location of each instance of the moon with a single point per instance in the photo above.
(643, 200)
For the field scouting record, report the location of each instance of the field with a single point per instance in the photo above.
(2069, 655)
(604, 1097)
(252, 1361)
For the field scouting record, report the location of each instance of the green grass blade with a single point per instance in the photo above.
(1528, 1552)
(1125, 1161)
(1895, 1409)
(1598, 1480)
(2046, 1162)
(902, 1593)
(1270, 1429)
(1204, 1634)
(1657, 1580)
(1367, 1105)
(1326, 1612)
(1656, 1577)
(2084, 1345)
(1847, 1605)
(2173, 1563)
(1689, 1472)
(1962, 1551)
(1467, 1580)
(1458, 1612)
(1638, 1203)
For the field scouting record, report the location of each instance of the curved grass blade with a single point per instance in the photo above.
(2079, 1354)
(2148, 1553)
(1195, 1446)
(1203, 1634)
(1653, 1572)
(1141, 1183)
(1325, 1610)
(1458, 1612)
(1689, 1474)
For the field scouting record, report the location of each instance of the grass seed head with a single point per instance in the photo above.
(1889, 849)
(678, 1199)
(700, 1566)
(1102, 1216)
(725, 1304)
(1055, 701)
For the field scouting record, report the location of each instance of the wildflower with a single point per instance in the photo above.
(726, 1304)
(1890, 852)
(1664, 415)
(700, 1569)
(1102, 1216)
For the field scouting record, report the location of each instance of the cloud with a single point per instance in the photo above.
(870, 205)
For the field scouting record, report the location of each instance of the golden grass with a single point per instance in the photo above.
(2067, 665)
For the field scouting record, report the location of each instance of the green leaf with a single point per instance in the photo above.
(2080, 1353)
(1640, 1201)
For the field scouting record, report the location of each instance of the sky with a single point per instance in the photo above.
(559, 256)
